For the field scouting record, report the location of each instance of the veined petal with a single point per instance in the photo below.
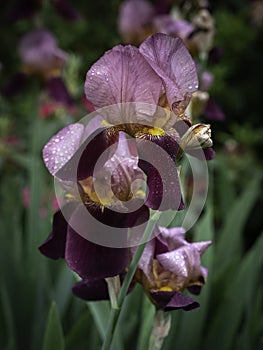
(91, 260)
(62, 147)
(169, 301)
(157, 160)
(171, 60)
(122, 75)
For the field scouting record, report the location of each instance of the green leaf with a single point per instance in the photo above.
(100, 312)
(229, 317)
(147, 316)
(229, 244)
(54, 338)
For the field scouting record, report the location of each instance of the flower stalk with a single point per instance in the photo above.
(160, 330)
(115, 312)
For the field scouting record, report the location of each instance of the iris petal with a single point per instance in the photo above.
(171, 60)
(54, 246)
(62, 147)
(91, 289)
(122, 75)
(162, 177)
(91, 260)
(169, 301)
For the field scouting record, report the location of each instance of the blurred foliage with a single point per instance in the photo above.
(37, 309)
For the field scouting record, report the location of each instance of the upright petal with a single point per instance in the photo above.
(122, 75)
(171, 60)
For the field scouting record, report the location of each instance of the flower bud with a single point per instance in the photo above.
(198, 135)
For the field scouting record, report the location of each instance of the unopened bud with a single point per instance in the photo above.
(198, 135)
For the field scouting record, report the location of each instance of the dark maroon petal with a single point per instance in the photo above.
(91, 290)
(162, 179)
(57, 91)
(169, 301)
(54, 246)
(91, 260)
(82, 164)
(195, 289)
(160, 246)
(213, 111)
(120, 219)
(66, 10)
(203, 154)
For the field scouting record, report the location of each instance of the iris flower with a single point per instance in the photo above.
(88, 259)
(168, 266)
(41, 56)
(158, 79)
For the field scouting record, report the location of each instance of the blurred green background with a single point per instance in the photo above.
(37, 309)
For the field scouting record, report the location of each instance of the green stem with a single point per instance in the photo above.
(115, 313)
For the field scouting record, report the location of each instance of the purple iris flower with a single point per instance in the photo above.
(131, 85)
(135, 19)
(88, 259)
(40, 56)
(168, 266)
(176, 27)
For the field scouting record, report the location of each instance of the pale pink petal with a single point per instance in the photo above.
(122, 75)
(62, 147)
(171, 60)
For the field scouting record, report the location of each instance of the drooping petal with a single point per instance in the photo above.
(169, 301)
(54, 246)
(157, 157)
(62, 147)
(91, 289)
(91, 260)
(122, 75)
(171, 60)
